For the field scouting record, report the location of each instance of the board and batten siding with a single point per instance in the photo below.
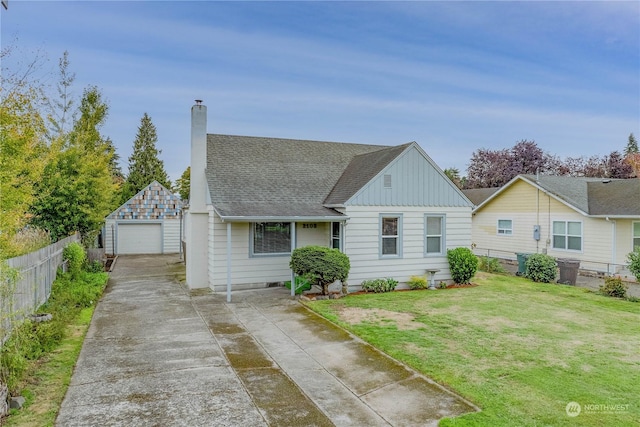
(362, 234)
(251, 272)
(414, 181)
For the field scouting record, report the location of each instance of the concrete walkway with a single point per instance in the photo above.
(156, 355)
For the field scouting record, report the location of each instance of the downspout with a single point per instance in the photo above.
(293, 247)
(228, 261)
(613, 245)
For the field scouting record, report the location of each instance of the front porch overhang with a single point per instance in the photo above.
(329, 218)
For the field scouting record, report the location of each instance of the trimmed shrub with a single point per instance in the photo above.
(541, 268)
(490, 265)
(614, 287)
(417, 282)
(634, 262)
(321, 265)
(75, 256)
(379, 285)
(463, 265)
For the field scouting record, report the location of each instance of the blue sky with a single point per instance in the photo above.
(453, 76)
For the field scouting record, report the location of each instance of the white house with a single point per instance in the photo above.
(253, 200)
(148, 223)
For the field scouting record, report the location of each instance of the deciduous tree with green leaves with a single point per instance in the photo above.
(77, 189)
(183, 184)
(22, 150)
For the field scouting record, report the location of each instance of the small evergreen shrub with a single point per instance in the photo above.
(417, 282)
(634, 262)
(75, 256)
(614, 287)
(490, 265)
(541, 268)
(321, 265)
(463, 265)
(379, 285)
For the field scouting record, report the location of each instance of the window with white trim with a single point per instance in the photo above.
(271, 238)
(336, 239)
(434, 226)
(390, 235)
(567, 235)
(505, 227)
(636, 235)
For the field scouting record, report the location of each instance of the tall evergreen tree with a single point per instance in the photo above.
(144, 164)
(632, 145)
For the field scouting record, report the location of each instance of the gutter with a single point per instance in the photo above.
(341, 218)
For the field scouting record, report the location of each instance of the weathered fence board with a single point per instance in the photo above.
(37, 272)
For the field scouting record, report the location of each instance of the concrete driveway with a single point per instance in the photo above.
(157, 355)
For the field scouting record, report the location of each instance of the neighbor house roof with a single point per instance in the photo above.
(285, 178)
(590, 196)
(479, 195)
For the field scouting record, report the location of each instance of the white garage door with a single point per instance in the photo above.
(139, 238)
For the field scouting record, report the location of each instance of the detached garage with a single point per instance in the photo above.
(148, 223)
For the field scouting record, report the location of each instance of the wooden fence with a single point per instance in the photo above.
(37, 271)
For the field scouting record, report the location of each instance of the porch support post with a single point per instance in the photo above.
(228, 262)
(293, 246)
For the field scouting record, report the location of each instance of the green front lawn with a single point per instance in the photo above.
(519, 350)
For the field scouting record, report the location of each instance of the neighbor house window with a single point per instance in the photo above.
(505, 227)
(636, 235)
(567, 235)
(434, 234)
(270, 238)
(390, 235)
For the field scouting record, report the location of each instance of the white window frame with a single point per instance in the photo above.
(252, 237)
(336, 238)
(504, 231)
(442, 235)
(397, 236)
(634, 236)
(566, 235)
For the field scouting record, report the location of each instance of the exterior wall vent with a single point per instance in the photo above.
(387, 181)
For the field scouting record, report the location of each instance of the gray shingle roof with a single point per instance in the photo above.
(274, 177)
(362, 169)
(594, 196)
(479, 195)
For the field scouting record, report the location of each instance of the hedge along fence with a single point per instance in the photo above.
(36, 272)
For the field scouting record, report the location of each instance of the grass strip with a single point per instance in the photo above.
(48, 378)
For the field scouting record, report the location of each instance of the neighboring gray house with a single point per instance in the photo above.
(148, 223)
(389, 208)
(594, 220)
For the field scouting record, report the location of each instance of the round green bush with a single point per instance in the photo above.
(321, 265)
(541, 268)
(614, 287)
(417, 282)
(634, 262)
(463, 265)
